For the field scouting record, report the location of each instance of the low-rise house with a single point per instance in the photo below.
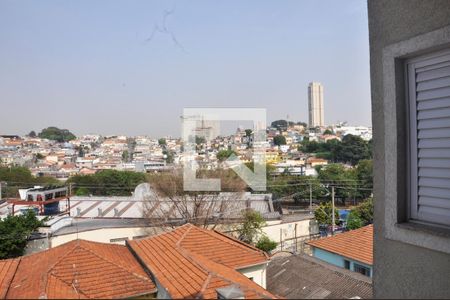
(190, 262)
(79, 269)
(187, 262)
(314, 161)
(305, 277)
(352, 250)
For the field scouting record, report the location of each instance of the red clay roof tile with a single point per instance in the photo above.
(8, 268)
(355, 244)
(80, 269)
(192, 262)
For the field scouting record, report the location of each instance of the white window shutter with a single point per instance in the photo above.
(429, 136)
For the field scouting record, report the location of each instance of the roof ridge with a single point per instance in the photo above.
(117, 265)
(234, 282)
(69, 284)
(240, 243)
(149, 237)
(178, 243)
(188, 255)
(50, 268)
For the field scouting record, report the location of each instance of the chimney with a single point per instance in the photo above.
(230, 292)
(100, 212)
(78, 211)
(116, 212)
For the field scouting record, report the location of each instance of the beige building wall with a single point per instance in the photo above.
(256, 273)
(315, 104)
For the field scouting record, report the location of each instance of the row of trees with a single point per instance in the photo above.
(359, 216)
(106, 183)
(351, 183)
(21, 177)
(350, 150)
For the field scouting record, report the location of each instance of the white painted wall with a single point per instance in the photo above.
(257, 273)
(276, 230)
(103, 235)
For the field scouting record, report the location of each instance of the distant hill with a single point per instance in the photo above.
(56, 134)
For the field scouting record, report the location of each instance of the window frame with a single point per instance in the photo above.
(412, 137)
(346, 264)
(358, 268)
(396, 192)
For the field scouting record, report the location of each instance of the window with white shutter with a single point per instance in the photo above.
(428, 81)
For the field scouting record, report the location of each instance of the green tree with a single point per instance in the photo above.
(32, 134)
(364, 174)
(162, 142)
(82, 191)
(354, 221)
(279, 124)
(56, 134)
(279, 140)
(361, 215)
(354, 149)
(19, 177)
(223, 155)
(15, 231)
(200, 140)
(324, 213)
(328, 131)
(248, 132)
(344, 179)
(108, 182)
(266, 244)
(251, 226)
(296, 186)
(39, 156)
(125, 156)
(169, 156)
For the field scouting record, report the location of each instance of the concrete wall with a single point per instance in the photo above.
(338, 260)
(400, 269)
(257, 273)
(277, 231)
(103, 235)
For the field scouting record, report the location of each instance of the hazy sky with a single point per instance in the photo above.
(101, 67)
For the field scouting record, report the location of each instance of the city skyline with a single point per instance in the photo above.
(74, 66)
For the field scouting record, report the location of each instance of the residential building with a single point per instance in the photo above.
(305, 277)
(190, 262)
(187, 262)
(315, 105)
(409, 64)
(79, 269)
(351, 250)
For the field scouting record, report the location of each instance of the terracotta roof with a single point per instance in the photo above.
(80, 269)
(222, 248)
(7, 270)
(190, 262)
(355, 244)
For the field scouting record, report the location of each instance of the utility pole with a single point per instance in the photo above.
(2, 183)
(333, 221)
(310, 198)
(70, 189)
(68, 198)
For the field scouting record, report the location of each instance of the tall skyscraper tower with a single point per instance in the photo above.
(315, 104)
